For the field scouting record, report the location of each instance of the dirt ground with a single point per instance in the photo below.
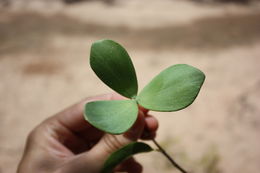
(44, 68)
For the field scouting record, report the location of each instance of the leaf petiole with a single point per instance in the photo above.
(160, 149)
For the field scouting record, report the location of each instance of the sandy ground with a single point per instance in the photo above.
(42, 73)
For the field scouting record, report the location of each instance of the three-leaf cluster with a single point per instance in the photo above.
(173, 89)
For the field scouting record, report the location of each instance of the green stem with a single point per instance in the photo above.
(169, 157)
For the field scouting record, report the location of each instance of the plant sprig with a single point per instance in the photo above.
(173, 89)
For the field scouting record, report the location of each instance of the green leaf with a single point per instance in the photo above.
(112, 64)
(173, 89)
(115, 116)
(123, 154)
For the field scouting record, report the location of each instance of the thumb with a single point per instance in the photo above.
(111, 143)
(93, 160)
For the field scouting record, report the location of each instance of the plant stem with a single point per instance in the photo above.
(169, 157)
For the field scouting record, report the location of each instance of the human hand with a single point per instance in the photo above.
(66, 143)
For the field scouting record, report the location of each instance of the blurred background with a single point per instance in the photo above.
(44, 51)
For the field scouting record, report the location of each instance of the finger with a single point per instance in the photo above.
(144, 110)
(148, 135)
(72, 117)
(109, 144)
(91, 135)
(151, 123)
(74, 143)
(137, 129)
(66, 126)
(130, 165)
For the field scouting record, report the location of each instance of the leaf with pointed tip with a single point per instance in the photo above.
(112, 64)
(114, 116)
(123, 154)
(173, 89)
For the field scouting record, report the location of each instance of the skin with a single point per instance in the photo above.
(66, 143)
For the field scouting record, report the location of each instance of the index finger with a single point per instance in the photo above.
(72, 117)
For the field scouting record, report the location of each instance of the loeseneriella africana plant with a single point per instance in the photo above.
(173, 89)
